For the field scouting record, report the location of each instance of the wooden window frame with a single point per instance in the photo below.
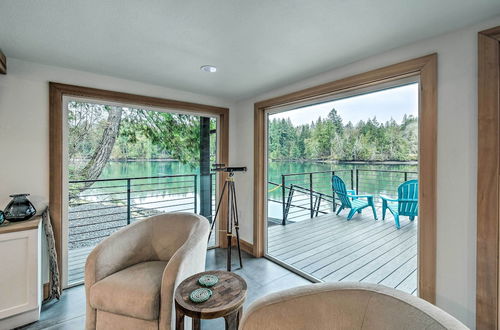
(3, 63)
(424, 67)
(488, 182)
(58, 91)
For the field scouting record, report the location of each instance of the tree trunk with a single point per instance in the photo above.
(100, 158)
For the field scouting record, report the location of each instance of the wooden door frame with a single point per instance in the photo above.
(488, 182)
(56, 153)
(426, 68)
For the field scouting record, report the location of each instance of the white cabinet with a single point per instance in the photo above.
(20, 273)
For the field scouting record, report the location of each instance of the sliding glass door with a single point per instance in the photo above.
(342, 194)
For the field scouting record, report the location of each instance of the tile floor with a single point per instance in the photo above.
(262, 276)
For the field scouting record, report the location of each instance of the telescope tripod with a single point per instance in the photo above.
(232, 218)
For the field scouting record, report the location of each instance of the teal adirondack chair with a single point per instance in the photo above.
(406, 204)
(351, 201)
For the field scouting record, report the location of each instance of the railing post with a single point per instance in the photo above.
(357, 182)
(283, 192)
(318, 204)
(311, 194)
(333, 193)
(196, 193)
(406, 176)
(352, 179)
(128, 201)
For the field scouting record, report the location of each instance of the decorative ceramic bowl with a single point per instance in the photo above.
(200, 295)
(208, 280)
(19, 208)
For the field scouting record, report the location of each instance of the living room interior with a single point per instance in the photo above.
(265, 165)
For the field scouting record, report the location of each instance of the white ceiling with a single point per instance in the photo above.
(256, 45)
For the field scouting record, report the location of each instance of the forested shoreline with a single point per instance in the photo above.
(100, 133)
(329, 139)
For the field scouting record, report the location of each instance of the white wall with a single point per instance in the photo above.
(24, 120)
(457, 148)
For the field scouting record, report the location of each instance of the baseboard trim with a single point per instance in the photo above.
(3, 63)
(245, 246)
(46, 291)
(21, 319)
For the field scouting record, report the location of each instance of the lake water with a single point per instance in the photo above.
(374, 179)
(276, 169)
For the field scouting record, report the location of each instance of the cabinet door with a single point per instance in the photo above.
(19, 275)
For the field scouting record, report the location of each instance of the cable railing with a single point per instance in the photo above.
(97, 208)
(309, 194)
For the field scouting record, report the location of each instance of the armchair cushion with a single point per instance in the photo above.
(133, 291)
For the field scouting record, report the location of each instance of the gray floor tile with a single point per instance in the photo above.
(262, 277)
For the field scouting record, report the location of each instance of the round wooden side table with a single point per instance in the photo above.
(227, 299)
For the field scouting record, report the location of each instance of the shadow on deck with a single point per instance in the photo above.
(330, 248)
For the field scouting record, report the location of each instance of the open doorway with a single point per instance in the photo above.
(334, 168)
(424, 71)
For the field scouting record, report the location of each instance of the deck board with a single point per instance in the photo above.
(330, 248)
(76, 263)
(318, 250)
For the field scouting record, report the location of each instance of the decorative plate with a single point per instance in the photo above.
(208, 280)
(200, 295)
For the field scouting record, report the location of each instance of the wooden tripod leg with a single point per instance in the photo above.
(229, 228)
(236, 223)
(217, 210)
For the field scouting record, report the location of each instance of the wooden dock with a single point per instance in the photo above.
(330, 248)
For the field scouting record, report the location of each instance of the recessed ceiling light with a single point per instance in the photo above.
(208, 68)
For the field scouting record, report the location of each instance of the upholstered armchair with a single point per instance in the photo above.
(131, 276)
(335, 306)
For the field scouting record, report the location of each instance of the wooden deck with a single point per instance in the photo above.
(76, 264)
(77, 258)
(330, 248)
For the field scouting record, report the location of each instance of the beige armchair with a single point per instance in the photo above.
(335, 306)
(130, 277)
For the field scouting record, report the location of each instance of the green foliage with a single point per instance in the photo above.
(143, 134)
(330, 139)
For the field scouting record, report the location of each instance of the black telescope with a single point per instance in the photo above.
(229, 169)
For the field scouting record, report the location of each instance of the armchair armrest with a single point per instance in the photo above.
(408, 200)
(188, 260)
(360, 196)
(389, 199)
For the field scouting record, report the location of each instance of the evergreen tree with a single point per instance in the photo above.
(330, 139)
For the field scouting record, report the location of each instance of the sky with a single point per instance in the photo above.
(386, 104)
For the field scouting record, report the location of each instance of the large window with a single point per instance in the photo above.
(127, 163)
(117, 158)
